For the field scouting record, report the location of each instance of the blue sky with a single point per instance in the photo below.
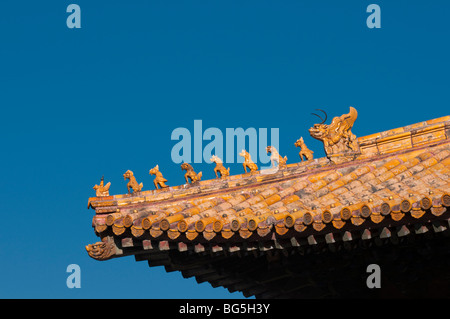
(77, 104)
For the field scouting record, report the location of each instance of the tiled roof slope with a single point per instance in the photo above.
(400, 177)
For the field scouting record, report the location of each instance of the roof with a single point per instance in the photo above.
(398, 178)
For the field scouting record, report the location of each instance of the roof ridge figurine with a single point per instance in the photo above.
(276, 157)
(219, 167)
(190, 173)
(102, 190)
(159, 179)
(248, 161)
(337, 137)
(304, 150)
(133, 184)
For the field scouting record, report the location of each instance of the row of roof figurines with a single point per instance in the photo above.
(192, 177)
(336, 137)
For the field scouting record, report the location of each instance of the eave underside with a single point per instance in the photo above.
(414, 262)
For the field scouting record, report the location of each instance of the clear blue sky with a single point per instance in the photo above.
(77, 104)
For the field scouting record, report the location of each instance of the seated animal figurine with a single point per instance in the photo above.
(304, 150)
(190, 174)
(132, 184)
(219, 167)
(276, 157)
(248, 162)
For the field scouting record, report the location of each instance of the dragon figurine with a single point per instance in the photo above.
(337, 137)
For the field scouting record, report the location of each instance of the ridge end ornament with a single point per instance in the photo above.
(339, 142)
(102, 250)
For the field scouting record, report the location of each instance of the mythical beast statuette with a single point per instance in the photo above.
(102, 250)
(132, 184)
(190, 173)
(159, 179)
(276, 157)
(305, 152)
(219, 167)
(248, 163)
(337, 137)
(102, 189)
